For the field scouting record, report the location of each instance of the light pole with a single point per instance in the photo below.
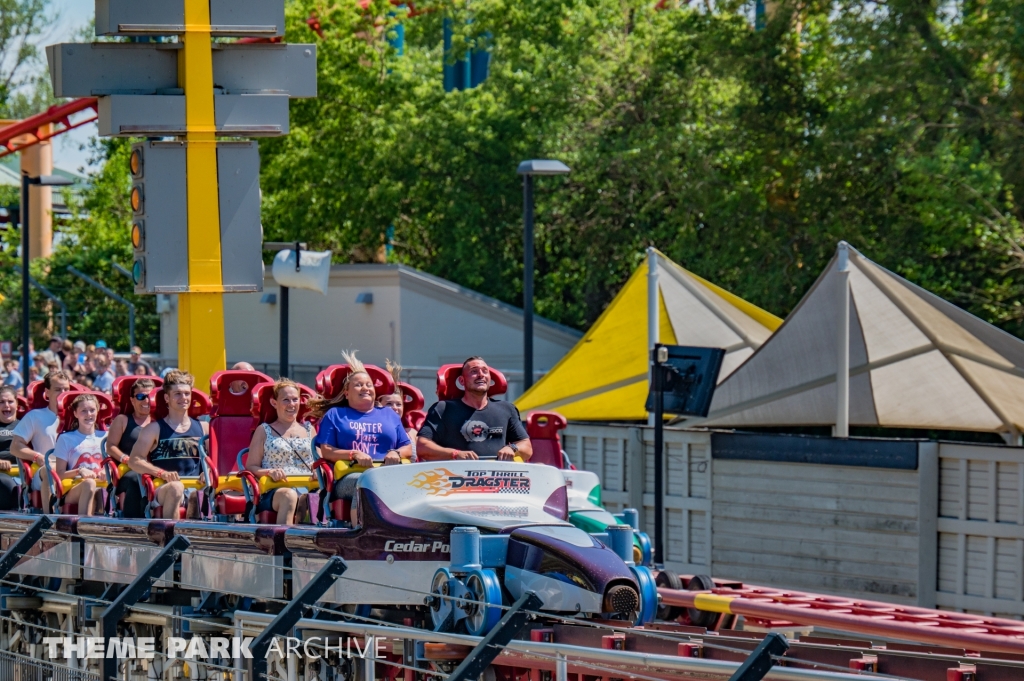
(528, 169)
(26, 181)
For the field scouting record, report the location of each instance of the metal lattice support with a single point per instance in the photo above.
(15, 667)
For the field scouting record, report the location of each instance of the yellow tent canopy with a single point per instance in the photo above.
(604, 377)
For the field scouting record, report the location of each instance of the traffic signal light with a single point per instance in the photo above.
(160, 217)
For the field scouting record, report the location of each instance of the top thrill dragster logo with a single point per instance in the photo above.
(442, 482)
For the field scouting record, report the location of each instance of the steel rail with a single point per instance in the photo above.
(863, 617)
(546, 651)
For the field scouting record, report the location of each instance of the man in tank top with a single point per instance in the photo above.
(167, 449)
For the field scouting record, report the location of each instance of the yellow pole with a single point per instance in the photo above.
(201, 313)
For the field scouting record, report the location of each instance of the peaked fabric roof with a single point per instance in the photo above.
(916, 361)
(604, 377)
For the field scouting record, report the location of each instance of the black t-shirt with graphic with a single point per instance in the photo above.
(6, 435)
(455, 424)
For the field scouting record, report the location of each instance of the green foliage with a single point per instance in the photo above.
(24, 86)
(91, 242)
(745, 155)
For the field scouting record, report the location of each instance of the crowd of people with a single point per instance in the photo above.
(357, 426)
(94, 365)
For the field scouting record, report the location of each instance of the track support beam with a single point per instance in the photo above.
(293, 612)
(132, 594)
(760, 662)
(25, 542)
(495, 641)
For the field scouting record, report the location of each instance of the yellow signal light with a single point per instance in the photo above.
(137, 235)
(136, 199)
(135, 163)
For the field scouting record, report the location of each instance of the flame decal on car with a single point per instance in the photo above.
(442, 482)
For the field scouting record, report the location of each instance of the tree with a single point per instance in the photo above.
(96, 237)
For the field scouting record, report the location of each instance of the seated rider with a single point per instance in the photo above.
(8, 422)
(396, 401)
(354, 429)
(36, 434)
(280, 449)
(474, 426)
(167, 449)
(78, 454)
(124, 430)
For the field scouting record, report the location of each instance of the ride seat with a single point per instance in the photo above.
(231, 424)
(451, 387)
(543, 428)
(262, 411)
(37, 394)
(123, 389)
(414, 419)
(330, 380)
(22, 406)
(104, 415)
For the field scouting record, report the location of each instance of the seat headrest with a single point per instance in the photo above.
(412, 397)
(330, 380)
(450, 386)
(228, 402)
(123, 389)
(37, 393)
(22, 406)
(104, 415)
(414, 419)
(201, 404)
(544, 425)
(263, 411)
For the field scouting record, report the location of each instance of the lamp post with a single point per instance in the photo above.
(26, 181)
(528, 169)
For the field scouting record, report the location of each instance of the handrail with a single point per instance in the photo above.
(33, 125)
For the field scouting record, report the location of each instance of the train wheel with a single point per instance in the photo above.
(669, 580)
(441, 603)
(485, 589)
(700, 618)
(648, 595)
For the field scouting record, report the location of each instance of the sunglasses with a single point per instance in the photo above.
(141, 397)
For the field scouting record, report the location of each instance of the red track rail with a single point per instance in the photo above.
(34, 128)
(873, 618)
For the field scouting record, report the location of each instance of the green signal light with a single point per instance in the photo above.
(137, 272)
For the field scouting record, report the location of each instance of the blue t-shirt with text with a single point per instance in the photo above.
(374, 433)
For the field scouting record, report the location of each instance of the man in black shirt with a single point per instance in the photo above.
(473, 426)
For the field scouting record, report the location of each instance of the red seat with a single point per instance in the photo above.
(123, 389)
(543, 428)
(104, 415)
(450, 386)
(412, 397)
(22, 406)
(231, 424)
(414, 419)
(262, 411)
(37, 394)
(330, 380)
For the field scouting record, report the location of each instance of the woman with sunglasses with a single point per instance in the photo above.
(125, 429)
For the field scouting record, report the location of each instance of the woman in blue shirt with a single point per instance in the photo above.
(353, 428)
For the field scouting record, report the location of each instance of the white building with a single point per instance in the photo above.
(383, 311)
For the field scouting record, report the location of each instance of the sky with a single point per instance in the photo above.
(74, 14)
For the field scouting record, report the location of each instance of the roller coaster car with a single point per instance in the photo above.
(122, 390)
(474, 535)
(60, 488)
(231, 421)
(330, 381)
(260, 411)
(451, 387)
(584, 487)
(203, 484)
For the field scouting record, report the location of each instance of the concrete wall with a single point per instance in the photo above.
(420, 320)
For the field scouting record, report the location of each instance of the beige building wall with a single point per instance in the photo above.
(420, 320)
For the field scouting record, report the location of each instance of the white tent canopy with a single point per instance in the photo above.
(915, 361)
